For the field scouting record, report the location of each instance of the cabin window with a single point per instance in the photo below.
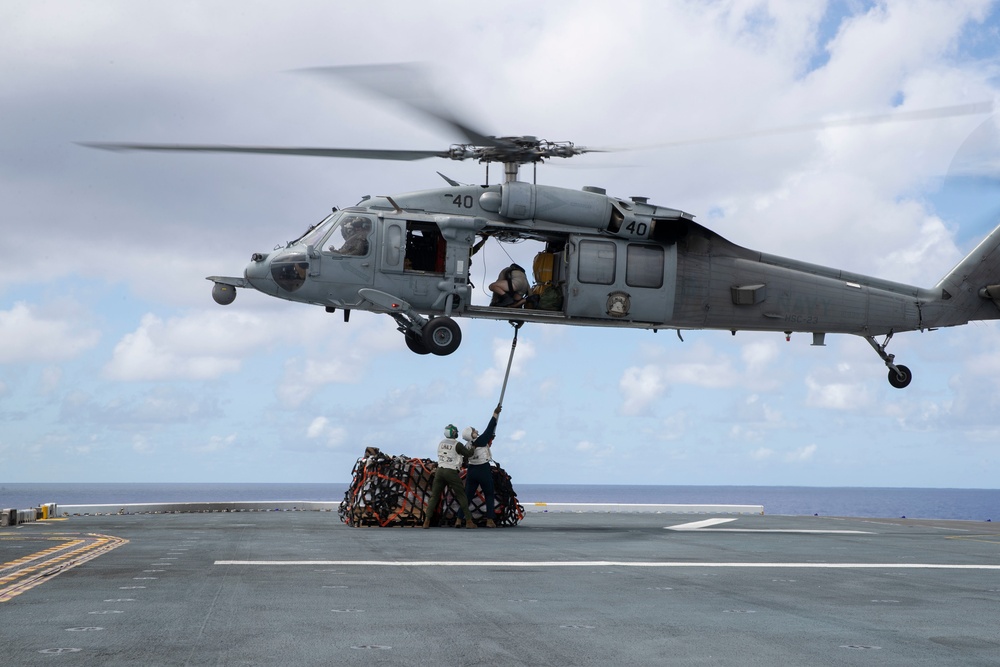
(644, 266)
(597, 262)
(425, 247)
(393, 244)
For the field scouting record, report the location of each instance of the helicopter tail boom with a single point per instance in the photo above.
(972, 289)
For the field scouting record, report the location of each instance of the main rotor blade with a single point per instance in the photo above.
(876, 119)
(977, 160)
(359, 153)
(408, 85)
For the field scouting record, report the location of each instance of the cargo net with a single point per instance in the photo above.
(395, 490)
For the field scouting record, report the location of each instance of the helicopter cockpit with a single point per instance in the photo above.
(342, 233)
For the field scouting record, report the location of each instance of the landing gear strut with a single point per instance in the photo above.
(439, 335)
(899, 375)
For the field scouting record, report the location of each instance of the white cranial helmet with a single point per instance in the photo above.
(467, 433)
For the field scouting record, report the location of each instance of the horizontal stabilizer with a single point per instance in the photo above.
(224, 280)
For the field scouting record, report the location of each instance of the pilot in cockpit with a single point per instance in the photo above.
(355, 230)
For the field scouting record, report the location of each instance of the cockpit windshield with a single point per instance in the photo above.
(342, 233)
(315, 233)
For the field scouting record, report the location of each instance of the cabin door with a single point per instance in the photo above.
(621, 280)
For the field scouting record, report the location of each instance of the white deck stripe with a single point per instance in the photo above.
(773, 530)
(610, 563)
(705, 527)
(698, 525)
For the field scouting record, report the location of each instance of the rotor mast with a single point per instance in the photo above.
(510, 171)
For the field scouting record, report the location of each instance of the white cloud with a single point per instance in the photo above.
(304, 377)
(759, 354)
(316, 427)
(491, 380)
(594, 450)
(802, 454)
(31, 334)
(215, 443)
(841, 389)
(332, 436)
(745, 433)
(674, 427)
(142, 445)
(641, 386)
(197, 346)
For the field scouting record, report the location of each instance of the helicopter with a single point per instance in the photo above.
(602, 260)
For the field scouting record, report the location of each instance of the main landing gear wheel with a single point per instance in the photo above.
(900, 377)
(415, 344)
(441, 336)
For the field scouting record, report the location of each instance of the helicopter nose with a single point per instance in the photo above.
(258, 273)
(289, 270)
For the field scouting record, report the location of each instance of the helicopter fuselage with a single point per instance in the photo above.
(612, 262)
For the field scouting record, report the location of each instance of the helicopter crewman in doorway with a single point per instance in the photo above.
(510, 288)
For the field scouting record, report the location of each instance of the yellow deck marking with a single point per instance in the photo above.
(29, 571)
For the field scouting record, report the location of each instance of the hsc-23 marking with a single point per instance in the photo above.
(800, 319)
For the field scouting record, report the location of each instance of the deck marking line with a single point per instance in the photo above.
(698, 525)
(701, 526)
(54, 561)
(611, 563)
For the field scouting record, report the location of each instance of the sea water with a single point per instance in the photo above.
(964, 504)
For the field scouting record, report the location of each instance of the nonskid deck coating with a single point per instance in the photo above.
(301, 588)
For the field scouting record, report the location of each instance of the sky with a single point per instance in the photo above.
(117, 366)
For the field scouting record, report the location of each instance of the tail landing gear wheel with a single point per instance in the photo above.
(902, 378)
(899, 375)
(442, 336)
(415, 344)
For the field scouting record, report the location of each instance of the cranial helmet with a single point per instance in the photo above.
(467, 433)
(357, 225)
(451, 431)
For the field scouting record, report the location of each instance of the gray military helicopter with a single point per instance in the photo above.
(602, 260)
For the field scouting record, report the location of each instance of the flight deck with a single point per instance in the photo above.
(298, 587)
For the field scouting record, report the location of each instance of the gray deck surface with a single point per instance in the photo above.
(301, 588)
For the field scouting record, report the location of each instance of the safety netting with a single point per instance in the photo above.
(394, 491)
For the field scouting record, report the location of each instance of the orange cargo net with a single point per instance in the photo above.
(394, 491)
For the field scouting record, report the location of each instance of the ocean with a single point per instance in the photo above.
(964, 504)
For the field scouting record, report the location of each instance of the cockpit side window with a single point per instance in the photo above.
(350, 236)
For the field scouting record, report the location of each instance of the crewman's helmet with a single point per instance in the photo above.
(357, 225)
(451, 431)
(469, 434)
